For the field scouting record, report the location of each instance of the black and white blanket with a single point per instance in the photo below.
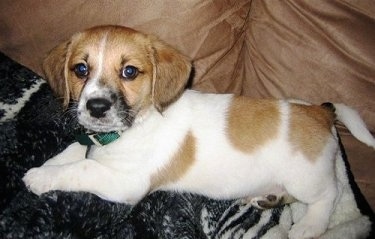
(33, 128)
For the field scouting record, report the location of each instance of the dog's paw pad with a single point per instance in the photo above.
(263, 202)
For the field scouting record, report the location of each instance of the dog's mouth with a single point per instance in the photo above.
(95, 125)
(104, 115)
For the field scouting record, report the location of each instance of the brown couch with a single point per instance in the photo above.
(315, 50)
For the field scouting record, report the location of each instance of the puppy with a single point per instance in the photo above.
(130, 87)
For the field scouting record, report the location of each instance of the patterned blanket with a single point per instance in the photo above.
(33, 128)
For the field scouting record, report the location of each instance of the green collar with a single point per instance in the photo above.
(99, 139)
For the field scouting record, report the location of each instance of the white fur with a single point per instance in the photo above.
(355, 124)
(121, 171)
(92, 88)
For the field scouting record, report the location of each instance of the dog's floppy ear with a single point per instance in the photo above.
(171, 71)
(54, 69)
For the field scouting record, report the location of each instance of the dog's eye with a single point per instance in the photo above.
(129, 72)
(81, 70)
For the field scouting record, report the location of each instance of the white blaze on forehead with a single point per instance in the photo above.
(93, 84)
(100, 57)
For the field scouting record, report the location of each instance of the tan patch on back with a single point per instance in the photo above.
(178, 165)
(251, 123)
(310, 127)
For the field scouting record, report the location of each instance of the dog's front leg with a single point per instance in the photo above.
(72, 153)
(88, 176)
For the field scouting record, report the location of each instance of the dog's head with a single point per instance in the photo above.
(115, 74)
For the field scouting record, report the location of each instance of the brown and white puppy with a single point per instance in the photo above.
(221, 146)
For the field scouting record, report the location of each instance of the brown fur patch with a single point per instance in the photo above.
(178, 165)
(252, 123)
(310, 127)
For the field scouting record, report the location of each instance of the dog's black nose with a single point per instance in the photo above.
(98, 106)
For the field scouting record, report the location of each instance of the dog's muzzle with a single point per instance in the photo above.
(98, 107)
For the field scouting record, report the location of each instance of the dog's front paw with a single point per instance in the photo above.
(39, 180)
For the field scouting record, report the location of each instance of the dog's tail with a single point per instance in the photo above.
(353, 122)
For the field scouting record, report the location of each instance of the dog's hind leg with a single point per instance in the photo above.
(315, 221)
(319, 191)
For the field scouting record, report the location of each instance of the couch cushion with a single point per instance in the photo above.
(203, 30)
(313, 50)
